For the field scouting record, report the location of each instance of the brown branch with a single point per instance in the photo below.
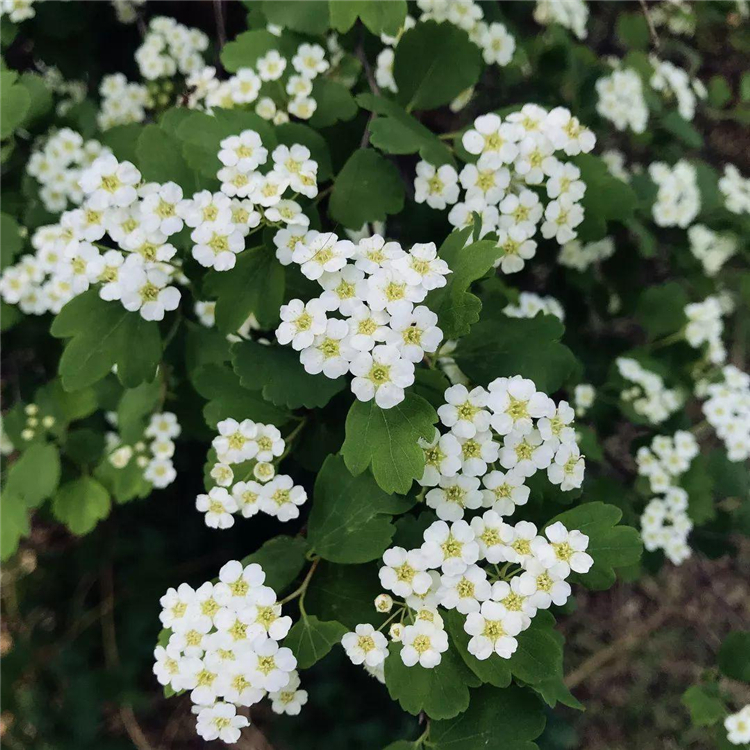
(651, 28)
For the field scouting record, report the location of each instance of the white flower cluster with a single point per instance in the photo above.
(515, 156)
(736, 190)
(667, 459)
(738, 726)
(571, 14)
(678, 199)
(377, 287)
(169, 48)
(58, 166)
(69, 258)
(705, 326)
(17, 10)
(615, 161)
(666, 525)
(446, 572)
(530, 305)
(536, 435)
(256, 447)
(621, 100)
(675, 83)
(712, 249)
(579, 257)
(122, 102)
(677, 15)
(224, 647)
(727, 410)
(158, 468)
(34, 420)
(71, 92)
(276, 91)
(127, 10)
(648, 397)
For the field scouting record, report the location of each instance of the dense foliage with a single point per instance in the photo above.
(369, 332)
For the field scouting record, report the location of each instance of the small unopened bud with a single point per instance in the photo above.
(48, 421)
(396, 631)
(264, 472)
(31, 409)
(383, 603)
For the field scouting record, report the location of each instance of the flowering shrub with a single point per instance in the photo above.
(459, 302)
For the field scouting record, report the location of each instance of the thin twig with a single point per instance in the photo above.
(221, 31)
(651, 28)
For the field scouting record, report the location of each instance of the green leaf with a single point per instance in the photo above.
(606, 198)
(311, 639)
(378, 17)
(310, 17)
(434, 63)
(14, 523)
(123, 141)
(135, 406)
(719, 91)
(11, 241)
(734, 656)
(103, 334)
(228, 398)
(510, 719)
(610, 545)
(125, 484)
(40, 97)
(34, 476)
(499, 346)
(661, 309)
(387, 440)
(159, 157)
(368, 188)
(673, 123)
(335, 103)
(350, 520)
(397, 132)
(282, 558)
(15, 102)
(456, 307)
(442, 692)
(81, 504)
(705, 706)
(255, 285)
(201, 135)
(699, 484)
(277, 372)
(345, 593)
(632, 30)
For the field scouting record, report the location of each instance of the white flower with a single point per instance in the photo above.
(330, 353)
(493, 630)
(270, 665)
(414, 333)
(464, 591)
(464, 411)
(510, 596)
(423, 643)
(236, 440)
(163, 426)
(525, 453)
(267, 189)
(271, 66)
(366, 327)
(220, 722)
(437, 186)
(301, 323)
(738, 727)
(289, 700)
(557, 426)
(167, 664)
(488, 185)
(494, 140)
(159, 210)
(566, 550)
(373, 253)
(303, 107)
(453, 548)
(281, 497)
(365, 645)
(160, 472)
(217, 245)
(294, 163)
(421, 266)
(269, 441)
(561, 218)
(453, 496)
(387, 289)
(504, 491)
(568, 467)
(404, 573)
(488, 532)
(522, 212)
(218, 505)
(109, 183)
(517, 542)
(477, 452)
(382, 375)
(517, 248)
(222, 474)
(497, 44)
(245, 86)
(147, 291)
(310, 60)
(514, 403)
(247, 497)
(442, 458)
(342, 289)
(321, 252)
(239, 184)
(544, 586)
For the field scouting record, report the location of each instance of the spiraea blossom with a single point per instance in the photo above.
(221, 643)
(512, 154)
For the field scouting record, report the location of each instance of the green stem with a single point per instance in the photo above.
(302, 589)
